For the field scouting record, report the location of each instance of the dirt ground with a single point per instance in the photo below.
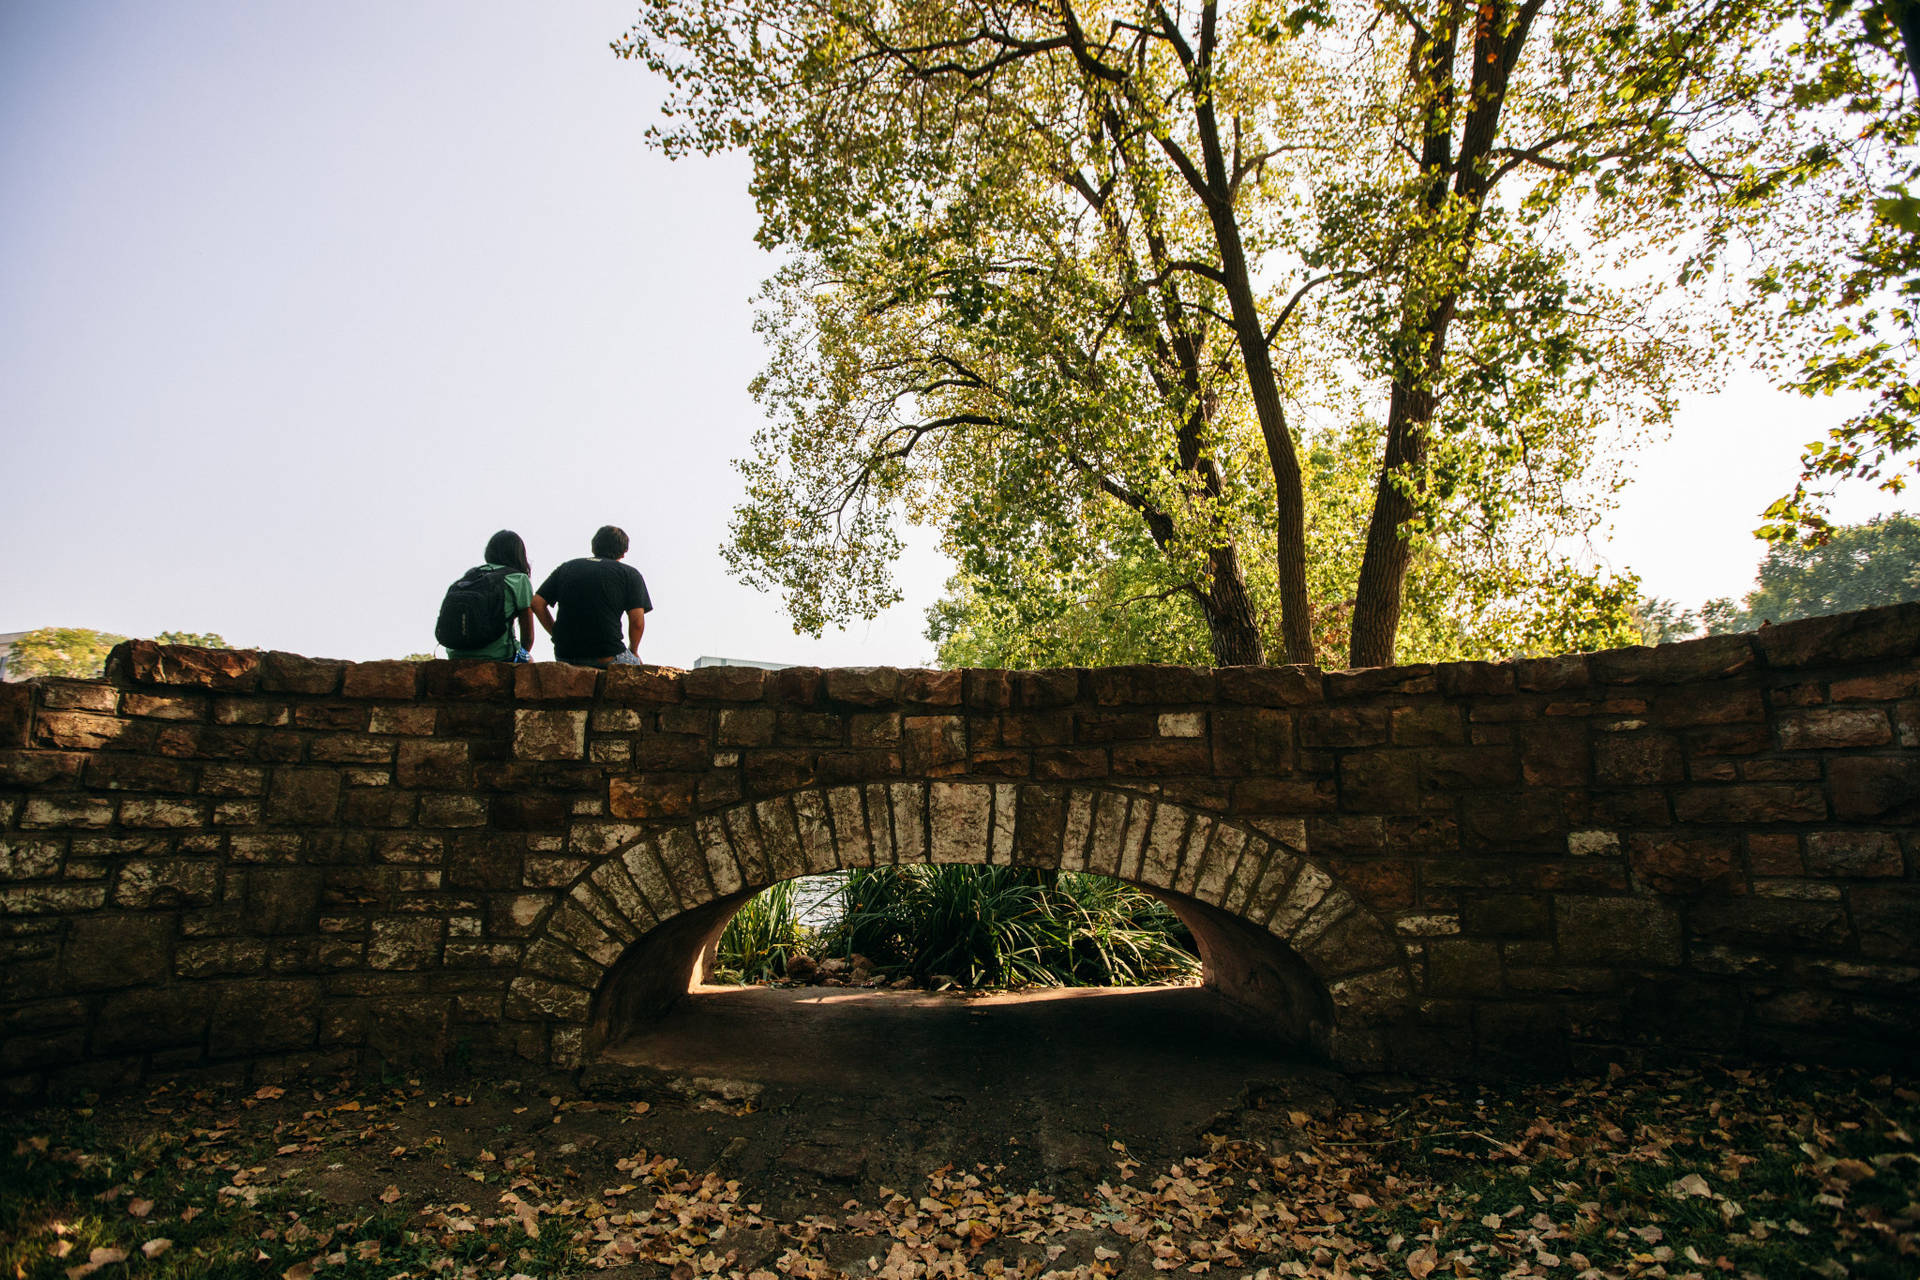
(824, 1133)
(851, 1086)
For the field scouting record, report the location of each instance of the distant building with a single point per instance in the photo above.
(6, 647)
(739, 662)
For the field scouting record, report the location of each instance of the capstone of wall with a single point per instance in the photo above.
(255, 864)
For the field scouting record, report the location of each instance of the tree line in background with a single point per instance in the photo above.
(1240, 332)
(80, 653)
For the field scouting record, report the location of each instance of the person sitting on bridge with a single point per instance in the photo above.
(504, 582)
(591, 594)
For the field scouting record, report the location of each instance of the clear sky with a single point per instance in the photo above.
(298, 303)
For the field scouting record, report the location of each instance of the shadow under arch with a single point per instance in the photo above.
(1279, 938)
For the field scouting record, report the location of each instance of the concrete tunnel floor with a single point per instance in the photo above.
(901, 1082)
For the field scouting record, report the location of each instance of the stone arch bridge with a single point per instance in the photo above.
(240, 862)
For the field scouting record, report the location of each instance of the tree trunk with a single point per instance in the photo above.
(1383, 571)
(1236, 640)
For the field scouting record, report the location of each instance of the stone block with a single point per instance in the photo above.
(1041, 690)
(409, 722)
(1887, 919)
(253, 1018)
(1684, 865)
(874, 729)
(144, 883)
(795, 686)
(303, 797)
(251, 711)
(1772, 923)
(1251, 740)
(26, 770)
(16, 712)
(1637, 759)
(452, 809)
(554, 682)
(1069, 764)
(350, 748)
(1553, 675)
(987, 689)
(1468, 768)
(771, 772)
(1854, 855)
(1819, 728)
(1770, 854)
(1524, 822)
(1380, 884)
(1750, 803)
(651, 796)
(1463, 967)
(1635, 932)
(1380, 782)
(1506, 915)
(1117, 686)
(405, 942)
(796, 728)
(550, 735)
(477, 678)
(66, 811)
(934, 746)
(1269, 686)
(932, 688)
(377, 807)
(392, 679)
(1708, 658)
(146, 662)
(111, 951)
(1344, 727)
(1428, 724)
(163, 707)
(441, 765)
(150, 1019)
(959, 818)
(725, 684)
(745, 726)
(28, 859)
(864, 686)
(1285, 796)
(283, 900)
(1475, 679)
(1886, 687)
(138, 773)
(1887, 634)
(291, 673)
(80, 731)
(1162, 758)
(1875, 788)
(1369, 682)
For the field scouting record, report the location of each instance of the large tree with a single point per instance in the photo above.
(1105, 278)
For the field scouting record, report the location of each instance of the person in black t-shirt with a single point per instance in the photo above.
(591, 596)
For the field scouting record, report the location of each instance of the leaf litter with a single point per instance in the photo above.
(1686, 1174)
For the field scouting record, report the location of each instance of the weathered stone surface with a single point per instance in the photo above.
(1684, 865)
(554, 682)
(549, 735)
(1269, 686)
(145, 662)
(429, 835)
(1875, 788)
(1636, 932)
(1891, 633)
(259, 1017)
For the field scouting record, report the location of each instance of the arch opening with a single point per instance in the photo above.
(1259, 982)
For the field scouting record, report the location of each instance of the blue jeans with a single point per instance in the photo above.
(625, 658)
(520, 655)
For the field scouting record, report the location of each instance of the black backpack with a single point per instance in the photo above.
(474, 613)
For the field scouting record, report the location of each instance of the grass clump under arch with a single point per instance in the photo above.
(975, 926)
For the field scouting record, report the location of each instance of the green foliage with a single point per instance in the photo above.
(1662, 621)
(1093, 293)
(198, 639)
(1857, 567)
(1849, 323)
(74, 652)
(1002, 926)
(762, 935)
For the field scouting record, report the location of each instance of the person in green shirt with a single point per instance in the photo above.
(505, 550)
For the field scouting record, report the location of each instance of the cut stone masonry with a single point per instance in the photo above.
(258, 864)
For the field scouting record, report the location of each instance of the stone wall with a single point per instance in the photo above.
(260, 863)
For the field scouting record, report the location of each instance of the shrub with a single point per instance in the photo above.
(763, 934)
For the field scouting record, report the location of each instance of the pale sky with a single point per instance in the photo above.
(298, 303)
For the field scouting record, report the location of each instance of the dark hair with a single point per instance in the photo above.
(610, 542)
(505, 548)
